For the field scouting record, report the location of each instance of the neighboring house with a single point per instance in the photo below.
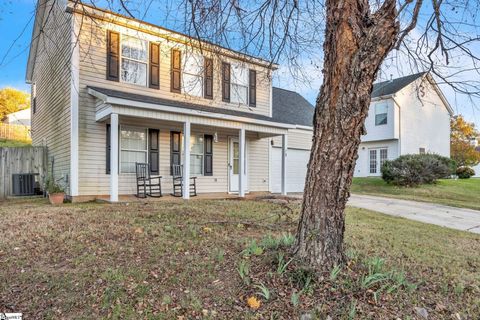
(21, 117)
(407, 115)
(136, 92)
(476, 144)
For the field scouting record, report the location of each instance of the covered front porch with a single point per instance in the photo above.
(237, 164)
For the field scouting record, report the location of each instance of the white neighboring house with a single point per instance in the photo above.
(407, 115)
(476, 168)
(22, 117)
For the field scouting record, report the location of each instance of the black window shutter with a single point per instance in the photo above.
(253, 88)
(153, 151)
(175, 149)
(208, 163)
(176, 72)
(225, 82)
(113, 55)
(154, 82)
(107, 150)
(208, 78)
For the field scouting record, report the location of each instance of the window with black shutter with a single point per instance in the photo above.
(153, 151)
(225, 82)
(208, 157)
(208, 82)
(113, 58)
(252, 76)
(176, 72)
(175, 149)
(154, 66)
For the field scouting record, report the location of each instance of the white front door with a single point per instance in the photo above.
(233, 164)
(376, 158)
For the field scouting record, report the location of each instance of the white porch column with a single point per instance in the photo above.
(284, 163)
(241, 163)
(186, 160)
(113, 157)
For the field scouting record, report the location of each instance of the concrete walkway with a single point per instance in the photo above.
(445, 216)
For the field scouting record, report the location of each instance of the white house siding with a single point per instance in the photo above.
(51, 74)
(95, 181)
(477, 171)
(424, 123)
(386, 131)
(362, 165)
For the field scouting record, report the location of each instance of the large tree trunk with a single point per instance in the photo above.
(356, 43)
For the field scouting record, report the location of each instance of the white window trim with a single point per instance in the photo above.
(247, 86)
(377, 113)
(147, 62)
(201, 75)
(120, 149)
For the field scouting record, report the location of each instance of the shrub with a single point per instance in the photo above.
(414, 169)
(465, 172)
(53, 187)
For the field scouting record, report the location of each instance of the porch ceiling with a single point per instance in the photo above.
(129, 104)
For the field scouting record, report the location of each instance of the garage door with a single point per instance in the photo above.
(297, 161)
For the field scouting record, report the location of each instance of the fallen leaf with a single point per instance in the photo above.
(253, 303)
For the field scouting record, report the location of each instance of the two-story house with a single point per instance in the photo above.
(407, 115)
(109, 91)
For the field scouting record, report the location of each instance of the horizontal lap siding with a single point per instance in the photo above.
(96, 182)
(51, 121)
(297, 139)
(92, 177)
(93, 70)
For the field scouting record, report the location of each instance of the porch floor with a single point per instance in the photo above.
(200, 196)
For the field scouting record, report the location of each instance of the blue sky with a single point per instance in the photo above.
(16, 22)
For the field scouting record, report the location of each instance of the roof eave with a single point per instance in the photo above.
(39, 14)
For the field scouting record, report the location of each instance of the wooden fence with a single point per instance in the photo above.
(21, 160)
(15, 132)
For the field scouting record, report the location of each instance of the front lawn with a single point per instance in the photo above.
(458, 193)
(204, 259)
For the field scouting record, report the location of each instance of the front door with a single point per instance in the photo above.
(376, 158)
(233, 164)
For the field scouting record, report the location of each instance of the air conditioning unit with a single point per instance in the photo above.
(23, 184)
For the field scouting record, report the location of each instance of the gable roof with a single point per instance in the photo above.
(389, 87)
(290, 107)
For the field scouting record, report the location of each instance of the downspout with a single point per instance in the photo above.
(399, 126)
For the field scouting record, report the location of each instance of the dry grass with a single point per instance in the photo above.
(171, 260)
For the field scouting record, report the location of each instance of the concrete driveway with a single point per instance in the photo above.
(445, 216)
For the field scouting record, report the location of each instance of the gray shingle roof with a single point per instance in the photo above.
(178, 104)
(389, 87)
(290, 107)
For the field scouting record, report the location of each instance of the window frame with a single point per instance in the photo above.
(146, 62)
(377, 114)
(233, 83)
(120, 149)
(182, 154)
(201, 74)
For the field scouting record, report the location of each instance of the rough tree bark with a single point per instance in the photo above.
(356, 43)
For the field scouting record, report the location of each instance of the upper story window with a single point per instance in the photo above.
(192, 80)
(381, 114)
(239, 84)
(134, 64)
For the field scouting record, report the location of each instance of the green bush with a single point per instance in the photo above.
(53, 187)
(415, 169)
(465, 172)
